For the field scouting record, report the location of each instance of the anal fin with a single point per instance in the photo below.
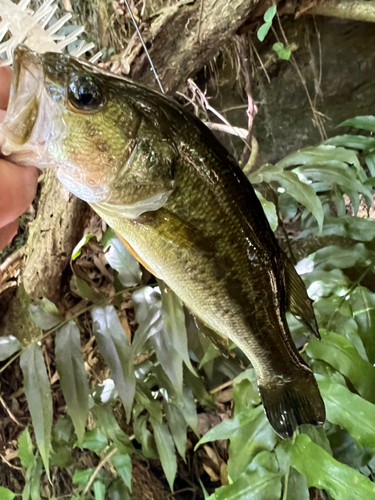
(298, 302)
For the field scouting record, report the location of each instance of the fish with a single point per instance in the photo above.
(180, 204)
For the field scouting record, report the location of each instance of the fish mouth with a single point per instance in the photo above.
(28, 124)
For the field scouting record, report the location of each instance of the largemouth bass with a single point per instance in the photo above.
(179, 202)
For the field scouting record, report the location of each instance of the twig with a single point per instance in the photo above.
(182, 491)
(222, 386)
(252, 109)
(96, 471)
(260, 60)
(8, 410)
(203, 101)
(9, 464)
(221, 127)
(316, 115)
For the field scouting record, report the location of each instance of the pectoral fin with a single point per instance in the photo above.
(176, 231)
(298, 302)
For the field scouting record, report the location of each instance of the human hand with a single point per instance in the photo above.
(17, 182)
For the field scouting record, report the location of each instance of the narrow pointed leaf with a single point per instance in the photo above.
(123, 466)
(224, 430)
(300, 191)
(352, 141)
(38, 395)
(116, 351)
(324, 472)
(99, 490)
(251, 486)
(269, 210)
(25, 449)
(174, 323)
(342, 355)
(361, 122)
(178, 427)
(119, 258)
(73, 376)
(363, 305)
(166, 450)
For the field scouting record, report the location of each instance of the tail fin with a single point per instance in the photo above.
(290, 402)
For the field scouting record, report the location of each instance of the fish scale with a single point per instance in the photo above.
(181, 205)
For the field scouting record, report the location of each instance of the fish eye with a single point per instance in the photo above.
(84, 94)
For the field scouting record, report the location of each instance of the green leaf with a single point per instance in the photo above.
(362, 302)
(73, 376)
(109, 426)
(254, 435)
(78, 248)
(298, 488)
(85, 291)
(25, 449)
(370, 162)
(166, 450)
(302, 192)
(148, 314)
(251, 486)
(38, 395)
(8, 346)
(123, 466)
(370, 182)
(288, 206)
(332, 173)
(352, 141)
(263, 31)
(348, 410)
(94, 440)
(45, 314)
(322, 155)
(342, 355)
(99, 490)
(269, 209)
(270, 14)
(6, 494)
(281, 51)
(324, 472)
(82, 477)
(174, 324)
(362, 122)
(116, 351)
(224, 430)
(178, 427)
(32, 481)
(341, 257)
(347, 226)
(118, 491)
(119, 258)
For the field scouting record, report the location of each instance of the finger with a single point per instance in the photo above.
(7, 233)
(17, 190)
(2, 115)
(5, 79)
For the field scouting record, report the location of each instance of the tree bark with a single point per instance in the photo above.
(61, 218)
